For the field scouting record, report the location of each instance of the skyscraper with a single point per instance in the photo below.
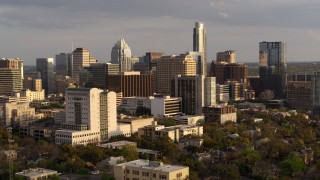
(195, 91)
(315, 89)
(11, 75)
(121, 54)
(273, 66)
(81, 58)
(170, 66)
(200, 45)
(227, 56)
(45, 70)
(64, 64)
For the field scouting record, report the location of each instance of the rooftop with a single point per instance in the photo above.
(154, 165)
(36, 172)
(117, 143)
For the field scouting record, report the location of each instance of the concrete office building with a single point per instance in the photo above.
(130, 104)
(194, 90)
(121, 54)
(220, 113)
(64, 64)
(82, 123)
(11, 75)
(222, 92)
(200, 45)
(45, 70)
(155, 131)
(90, 117)
(81, 58)
(273, 66)
(145, 169)
(170, 66)
(226, 57)
(165, 106)
(16, 110)
(131, 84)
(33, 95)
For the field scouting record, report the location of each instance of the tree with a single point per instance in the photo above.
(141, 110)
(293, 166)
(129, 152)
(169, 122)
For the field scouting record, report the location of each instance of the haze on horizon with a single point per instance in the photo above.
(44, 28)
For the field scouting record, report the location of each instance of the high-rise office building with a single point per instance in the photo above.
(299, 94)
(227, 57)
(98, 74)
(82, 119)
(11, 75)
(273, 66)
(64, 64)
(131, 84)
(32, 83)
(315, 89)
(201, 66)
(121, 54)
(170, 66)
(45, 70)
(229, 72)
(150, 58)
(200, 45)
(81, 58)
(108, 114)
(195, 91)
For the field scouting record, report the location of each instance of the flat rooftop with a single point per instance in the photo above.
(116, 144)
(152, 165)
(36, 172)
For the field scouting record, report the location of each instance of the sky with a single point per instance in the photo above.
(43, 28)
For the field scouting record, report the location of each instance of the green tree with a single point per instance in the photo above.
(169, 122)
(293, 166)
(141, 110)
(129, 152)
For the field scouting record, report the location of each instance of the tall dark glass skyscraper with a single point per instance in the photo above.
(45, 70)
(273, 66)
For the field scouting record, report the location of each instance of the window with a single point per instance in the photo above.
(179, 175)
(135, 178)
(154, 175)
(128, 171)
(145, 174)
(135, 172)
(162, 176)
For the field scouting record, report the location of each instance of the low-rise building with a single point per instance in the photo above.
(118, 144)
(36, 173)
(34, 95)
(173, 132)
(130, 104)
(190, 141)
(188, 119)
(136, 122)
(220, 113)
(165, 106)
(38, 132)
(145, 169)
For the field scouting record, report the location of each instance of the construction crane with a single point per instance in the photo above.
(10, 158)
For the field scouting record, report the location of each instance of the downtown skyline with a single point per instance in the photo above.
(35, 29)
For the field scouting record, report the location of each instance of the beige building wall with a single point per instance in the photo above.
(144, 169)
(167, 67)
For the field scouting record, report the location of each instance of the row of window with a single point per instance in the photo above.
(147, 174)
